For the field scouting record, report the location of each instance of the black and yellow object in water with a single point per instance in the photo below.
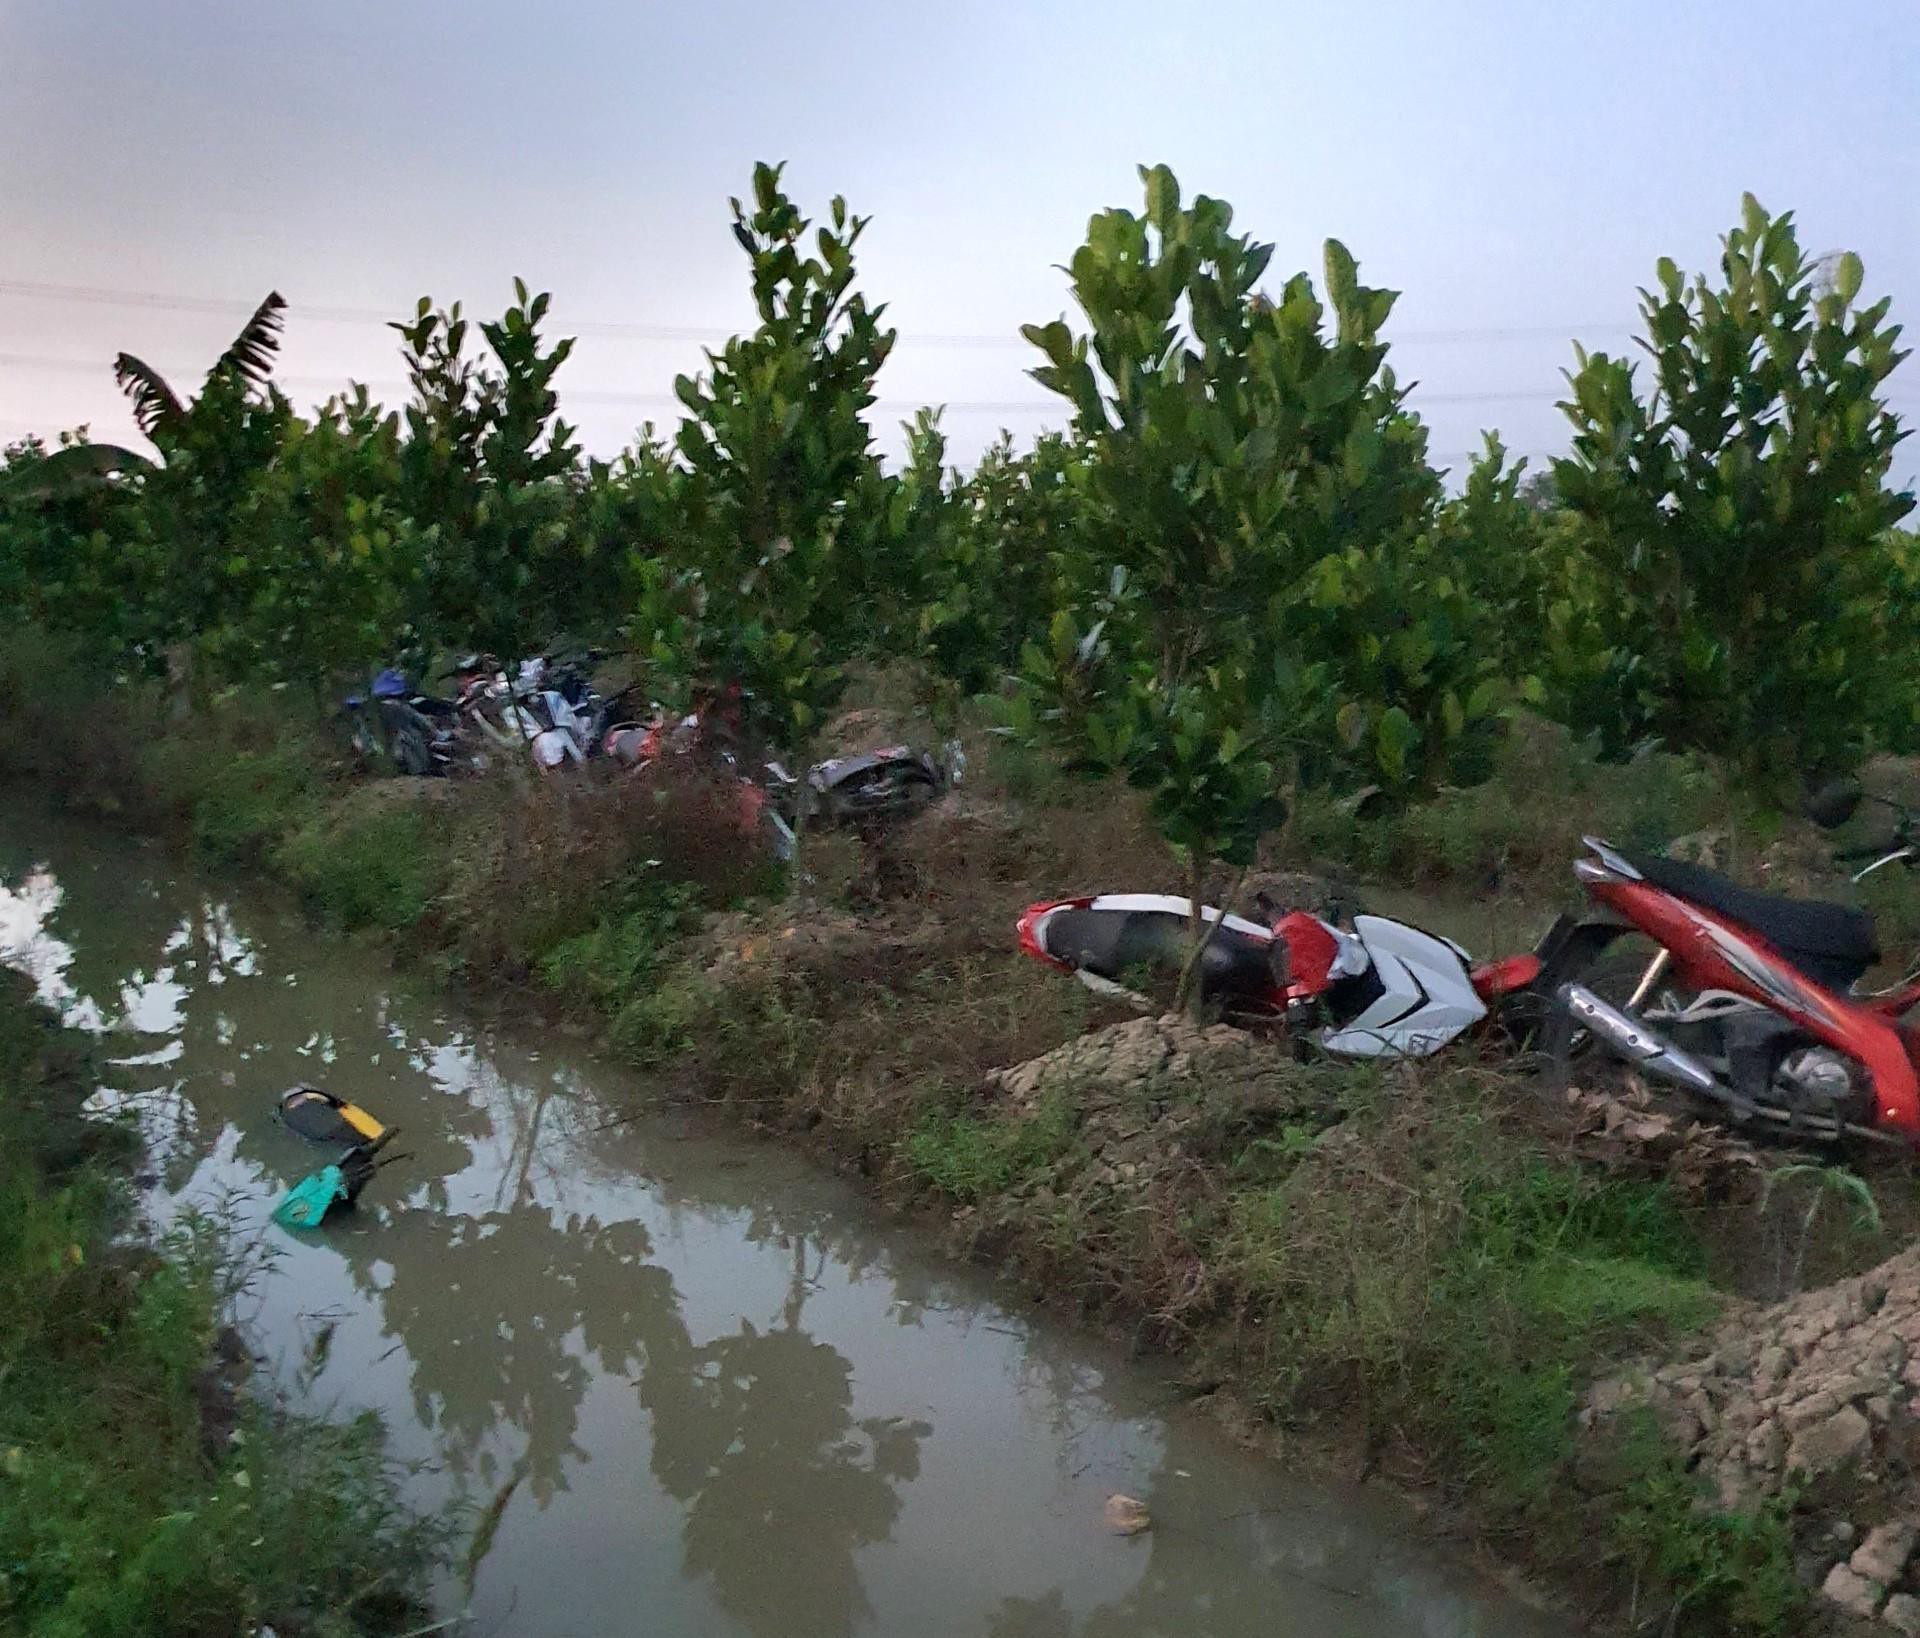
(317, 1114)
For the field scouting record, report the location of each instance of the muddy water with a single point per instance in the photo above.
(707, 1392)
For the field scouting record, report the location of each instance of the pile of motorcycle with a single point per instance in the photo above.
(1749, 1004)
(547, 710)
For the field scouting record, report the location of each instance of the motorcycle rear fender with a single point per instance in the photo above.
(1032, 928)
(1507, 976)
(1032, 925)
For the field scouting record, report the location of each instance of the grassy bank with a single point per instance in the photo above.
(143, 1492)
(1421, 1271)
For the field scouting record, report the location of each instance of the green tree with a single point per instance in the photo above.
(1233, 446)
(492, 476)
(772, 466)
(193, 555)
(344, 557)
(989, 582)
(64, 514)
(1892, 598)
(1733, 511)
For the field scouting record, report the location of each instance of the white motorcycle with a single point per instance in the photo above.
(1379, 988)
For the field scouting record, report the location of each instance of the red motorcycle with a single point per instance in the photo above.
(1750, 999)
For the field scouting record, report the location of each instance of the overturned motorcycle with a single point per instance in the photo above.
(1747, 999)
(892, 783)
(1382, 988)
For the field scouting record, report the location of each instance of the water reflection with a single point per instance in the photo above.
(724, 1402)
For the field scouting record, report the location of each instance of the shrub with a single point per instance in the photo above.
(366, 865)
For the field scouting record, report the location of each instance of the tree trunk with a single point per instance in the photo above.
(1189, 997)
(796, 863)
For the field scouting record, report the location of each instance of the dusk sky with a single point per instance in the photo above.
(1514, 169)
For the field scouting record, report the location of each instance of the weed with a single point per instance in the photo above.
(1794, 1224)
(1464, 1285)
(367, 864)
(1722, 1572)
(663, 1020)
(620, 967)
(973, 1158)
(1525, 822)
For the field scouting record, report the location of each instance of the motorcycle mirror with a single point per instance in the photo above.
(1834, 803)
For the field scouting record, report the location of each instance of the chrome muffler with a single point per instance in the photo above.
(1639, 1045)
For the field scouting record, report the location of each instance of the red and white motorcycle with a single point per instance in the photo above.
(1751, 1000)
(1380, 988)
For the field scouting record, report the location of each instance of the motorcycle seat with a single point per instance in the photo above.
(1113, 943)
(1833, 944)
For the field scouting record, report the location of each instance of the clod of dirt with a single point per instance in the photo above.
(1701, 847)
(1135, 1054)
(1165, 1071)
(738, 940)
(1295, 890)
(1819, 1391)
(1153, 1107)
(870, 728)
(967, 839)
(1127, 1517)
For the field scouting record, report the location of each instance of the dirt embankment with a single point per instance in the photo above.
(1812, 1401)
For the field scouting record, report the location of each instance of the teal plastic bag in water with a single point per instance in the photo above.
(309, 1200)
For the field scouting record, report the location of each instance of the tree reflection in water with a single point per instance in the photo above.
(755, 1433)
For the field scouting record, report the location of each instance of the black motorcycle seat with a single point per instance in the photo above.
(1831, 943)
(1113, 943)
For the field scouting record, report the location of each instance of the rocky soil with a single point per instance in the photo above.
(1814, 1398)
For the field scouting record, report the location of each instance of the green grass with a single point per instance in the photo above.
(139, 1498)
(1436, 1272)
(627, 944)
(663, 1018)
(244, 802)
(367, 867)
(974, 1158)
(1723, 1572)
(1551, 1269)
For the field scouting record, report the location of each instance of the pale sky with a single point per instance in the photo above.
(1513, 168)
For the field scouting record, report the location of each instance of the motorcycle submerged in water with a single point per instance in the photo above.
(1749, 999)
(1379, 988)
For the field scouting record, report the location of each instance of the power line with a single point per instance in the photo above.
(601, 395)
(612, 396)
(582, 395)
(332, 384)
(95, 295)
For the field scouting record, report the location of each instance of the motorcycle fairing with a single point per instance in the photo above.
(1426, 995)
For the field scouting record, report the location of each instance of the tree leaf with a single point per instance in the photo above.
(251, 355)
(155, 408)
(1847, 276)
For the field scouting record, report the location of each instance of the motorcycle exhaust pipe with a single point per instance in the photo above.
(1640, 1046)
